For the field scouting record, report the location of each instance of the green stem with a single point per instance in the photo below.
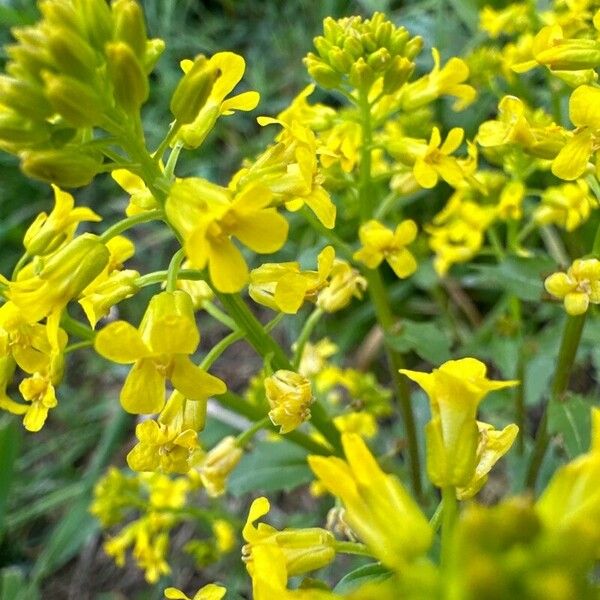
(566, 358)
(216, 313)
(449, 514)
(173, 270)
(74, 327)
(304, 336)
(596, 246)
(247, 435)
(341, 248)
(219, 348)
(436, 518)
(20, 264)
(352, 548)
(129, 222)
(383, 312)
(365, 181)
(78, 346)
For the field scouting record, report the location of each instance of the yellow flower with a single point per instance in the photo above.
(64, 275)
(160, 350)
(141, 198)
(230, 68)
(289, 168)
(572, 496)
(314, 357)
(379, 243)
(584, 112)
(453, 437)
(434, 161)
(289, 395)
(39, 391)
(224, 535)
(162, 448)
(361, 423)
(208, 215)
(446, 81)
(344, 284)
(510, 204)
(303, 549)
(567, 206)
(493, 445)
(378, 509)
(48, 232)
(284, 287)
(509, 20)
(215, 467)
(579, 286)
(211, 591)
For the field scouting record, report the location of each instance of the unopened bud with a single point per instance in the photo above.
(24, 98)
(193, 90)
(154, 50)
(65, 168)
(413, 47)
(129, 81)
(96, 19)
(383, 34)
(397, 74)
(218, 464)
(18, 130)
(129, 25)
(353, 46)
(398, 41)
(368, 42)
(361, 75)
(573, 55)
(322, 46)
(379, 59)
(323, 74)
(76, 102)
(340, 60)
(72, 54)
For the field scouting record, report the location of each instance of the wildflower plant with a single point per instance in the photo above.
(431, 248)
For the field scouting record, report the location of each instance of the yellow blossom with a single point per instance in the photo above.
(141, 198)
(578, 287)
(160, 350)
(314, 357)
(510, 203)
(567, 206)
(362, 423)
(453, 437)
(506, 21)
(289, 395)
(584, 112)
(285, 287)
(211, 591)
(215, 467)
(441, 81)
(208, 216)
(380, 243)
(303, 549)
(230, 68)
(344, 283)
(378, 508)
(224, 535)
(48, 232)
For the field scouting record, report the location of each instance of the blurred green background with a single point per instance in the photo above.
(49, 545)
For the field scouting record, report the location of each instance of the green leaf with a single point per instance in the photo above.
(371, 573)
(428, 340)
(571, 419)
(10, 441)
(271, 466)
(523, 277)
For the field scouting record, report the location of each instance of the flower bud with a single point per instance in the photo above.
(361, 74)
(323, 47)
(76, 102)
(218, 464)
(344, 284)
(398, 41)
(129, 25)
(340, 60)
(72, 55)
(413, 47)
(18, 130)
(154, 50)
(572, 55)
(397, 74)
(119, 286)
(380, 59)
(128, 78)
(24, 98)
(193, 90)
(65, 168)
(94, 17)
(353, 47)
(290, 396)
(323, 74)
(368, 42)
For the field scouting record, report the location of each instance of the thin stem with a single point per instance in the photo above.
(365, 181)
(20, 264)
(596, 246)
(157, 154)
(78, 346)
(160, 276)
(342, 249)
(173, 270)
(172, 162)
(383, 312)
(449, 514)
(304, 336)
(352, 548)
(566, 357)
(151, 215)
(495, 243)
(247, 435)
(219, 348)
(436, 518)
(74, 327)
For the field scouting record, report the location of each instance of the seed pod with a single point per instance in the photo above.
(65, 168)
(130, 26)
(76, 102)
(193, 90)
(130, 84)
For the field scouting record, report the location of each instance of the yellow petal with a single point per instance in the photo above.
(584, 107)
(121, 343)
(572, 160)
(576, 303)
(193, 382)
(426, 177)
(403, 263)
(227, 267)
(320, 203)
(453, 141)
(264, 231)
(244, 101)
(144, 389)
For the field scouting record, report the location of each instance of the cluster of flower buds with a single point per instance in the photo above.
(83, 65)
(356, 52)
